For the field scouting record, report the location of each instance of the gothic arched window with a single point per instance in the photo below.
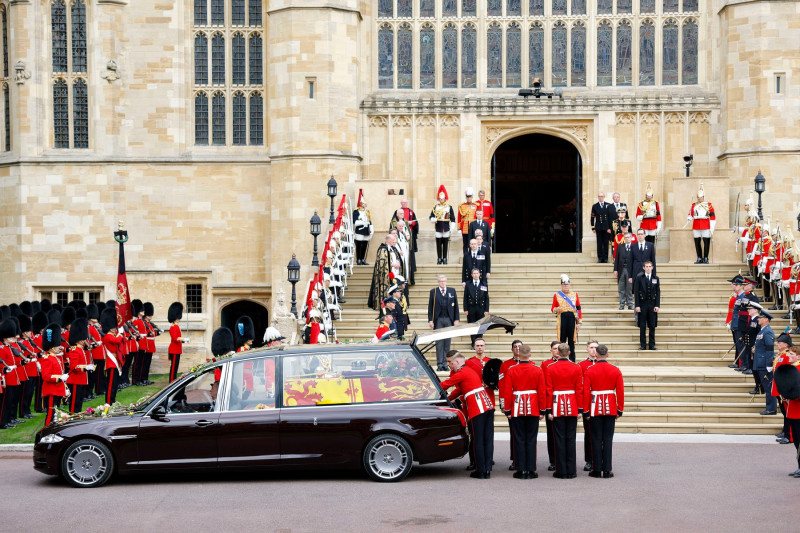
(669, 53)
(405, 60)
(647, 6)
(61, 114)
(217, 12)
(200, 12)
(494, 56)
(5, 40)
(536, 52)
(58, 19)
(218, 119)
(427, 8)
(605, 66)
(404, 8)
(254, 13)
(536, 7)
(624, 48)
(256, 68)
(239, 119)
(513, 8)
(449, 57)
(237, 12)
(469, 57)
(514, 56)
(559, 7)
(559, 59)
(239, 70)
(386, 57)
(7, 118)
(578, 7)
(218, 59)
(578, 38)
(78, 14)
(647, 53)
(80, 114)
(689, 55)
(201, 119)
(605, 7)
(256, 119)
(494, 8)
(200, 59)
(449, 8)
(427, 57)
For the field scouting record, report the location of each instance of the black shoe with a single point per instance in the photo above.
(559, 476)
(570, 476)
(551, 467)
(796, 331)
(444, 260)
(512, 466)
(7, 426)
(786, 316)
(642, 347)
(587, 467)
(705, 260)
(533, 475)
(754, 391)
(470, 466)
(28, 416)
(630, 308)
(733, 365)
(794, 473)
(520, 475)
(439, 261)
(608, 474)
(653, 348)
(699, 261)
(747, 372)
(768, 413)
(797, 475)
(621, 307)
(780, 435)
(782, 440)
(774, 307)
(476, 475)
(595, 473)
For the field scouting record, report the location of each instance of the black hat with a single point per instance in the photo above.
(738, 279)
(174, 312)
(79, 331)
(58, 307)
(36, 306)
(24, 323)
(15, 320)
(51, 336)
(222, 342)
(14, 310)
(8, 329)
(4, 312)
(111, 303)
(81, 313)
(26, 308)
(787, 381)
(243, 331)
(108, 319)
(136, 307)
(67, 316)
(785, 338)
(54, 315)
(74, 304)
(100, 307)
(749, 280)
(92, 312)
(46, 305)
(149, 310)
(389, 299)
(38, 322)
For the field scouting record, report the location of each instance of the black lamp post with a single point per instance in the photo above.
(687, 161)
(760, 188)
(798, 221)
(332, 194)
(315, 231)
(294, 277)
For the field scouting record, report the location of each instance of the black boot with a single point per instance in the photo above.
(698, 250)
(706, 248)
(445, 246)
(438, 251)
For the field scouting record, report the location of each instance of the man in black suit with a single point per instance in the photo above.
(442, 312)
(642, 251)
(478, 224)
(473, 259)
(601, 226)
(623, 267)
(647, 291)
(484, 249)
(616, 204)
(476, 300)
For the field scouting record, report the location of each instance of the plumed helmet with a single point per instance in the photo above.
(749, 202)
(361, 201)
(24, 323)
(648, 193)
(54, 316)
(27, 308)
(51, 336)
(67, 316)
(243, 331)
(221, 342)
(149, 310)
(79, 331)
(8, 329)
(469, 192)
(441, 195)
(136, 307)
(701, 193)
(38, 322)
(108, 319)
(46, 305)
(92, 312)
(564, 278)
(174, 312)
(272, 334)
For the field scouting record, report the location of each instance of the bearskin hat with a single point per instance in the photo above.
(221, 342)
(58, 307)
(100, 308)
(24, 323)
(244, 331)
(51, 336)
(14, 310)
(26, 308)
(4, 312)
(54, 315)
(39, 322)
(15, 320)
(92, 312)
(46, 305)
(74, 304)
(81, 313)
(7, 329)
(108, 319)
(67, 316)
(149, 310)
(111, 303)
(174, 312)
(136, 307)
(36, 306)
(79, 331)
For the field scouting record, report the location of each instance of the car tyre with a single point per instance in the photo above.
(87, 463)
(388, 458)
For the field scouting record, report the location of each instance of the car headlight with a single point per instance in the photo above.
(51, 439)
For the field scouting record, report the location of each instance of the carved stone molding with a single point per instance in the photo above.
(650, 118)
(493, 133)
(402, 121)
(110, 75)
(378, 121)
(675, 118)
(426, 120)
(699, 117)
(626, 118)
(450, 120)
(579, 132)
(21, 74)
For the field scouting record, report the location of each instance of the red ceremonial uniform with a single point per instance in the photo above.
(704, 222)
(77, 376)
(731, 303)
(526, 392)
(488, 213)
(604, 390)
(112, 343)
(564, 381)
(138, 323)
(12, 378)
(150, 344)
(753, 236)
(382, 329)
(648, 223)
(502, 382)
(52, 370)
(587, 363)
(477, 365)
(97, 338)
(30, 368)
(175, 345)
(469, 386)
(788, 260)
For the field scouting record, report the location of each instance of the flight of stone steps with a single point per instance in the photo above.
(683, 387)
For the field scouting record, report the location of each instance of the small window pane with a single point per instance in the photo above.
(254, 13)
(239, 76)
(494, 52)
(201, 119)
(256, 119)
(624, 42)
(449, 8)
(404, 57)
(670, 6)
(58, 16)
(624, 6)
(218, 60)
(80, 115)
(578, 77)
(536, 7)
(559, 55)
(386, 58)
(218, 120)
(536, 53)
(62, 298)
(61, 114)
(252, 385)
(559, 7)
(514, 57)
(513, 8)
(201, 59)
(689, 6)
(256, 67)
(237, 12)
(494, 8)
(5, 42)
(647, 54)
(386, 8)
(77, 296)
(94, 297)
(605, 7)
(194, 296)
(217, 12)
(449, 57)
(239, 120)
(604, 54)
(427, 8)
(404, 8)
(647, 6)
(669, 72)
(469, 55)
(427, 58)
(469, 8)
(7, 118)
(690, 53)
(200, 12)
(578, 7)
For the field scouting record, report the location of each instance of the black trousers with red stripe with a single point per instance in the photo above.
(112, 382)
(587, 440)
(75, 397)
(525, 430)
(551, 441)
(28, 390)
(138, 367)
(602, 431)
(482, 429)
(564, 429)
(100, 377)
(8, 409)
(794, 430)
(175, 361)
(147, 361)
(50, 403)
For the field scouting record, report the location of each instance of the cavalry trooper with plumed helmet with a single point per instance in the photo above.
(648, 213)
(703, 220)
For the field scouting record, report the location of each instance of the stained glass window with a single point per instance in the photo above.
(80, 114)
(239, 119)
(427, 8)
(669, 54)
(647, 53)
(536, 7)
(7, 118)
(58, 16)
(78, 13)
(218, 59)
(386, 57)
(494, 8)
(256, 119)
(605, 7)
(469, 8)
(239, 76)
(513, 8)
(578, 7)
(256, 68)
(449, 57)
(536, 52)
(5, 41)
(494, 54)
(624, 47)
(559, 7)
(690, 52)
(647, 6)
(61, 114)
(254, 13)
(469, 57)
(237, 12)
(200, 12)
(201, 59)
(670, 6)
(427, 57)
(689, 5)
(578, 77)
(513, 56)
(604, 54)
(201, 119)
(404, 8)
(449, 8)
(385, 8)
(559, 64)
(218, 119)
(404, 57)
(217, 12)
(624, 6)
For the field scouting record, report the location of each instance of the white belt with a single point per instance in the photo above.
(521, 392)
(595, 394)
(561, 392)
(599, 392)
(475, 391)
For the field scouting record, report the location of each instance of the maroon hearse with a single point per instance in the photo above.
(374, 406)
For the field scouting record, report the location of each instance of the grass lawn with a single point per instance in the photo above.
(25, 433)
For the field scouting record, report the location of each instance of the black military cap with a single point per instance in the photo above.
(785, 338)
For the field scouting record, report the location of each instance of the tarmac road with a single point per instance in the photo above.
(676, 486)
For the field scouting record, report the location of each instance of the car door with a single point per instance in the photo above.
(249, 422)
(181, 431)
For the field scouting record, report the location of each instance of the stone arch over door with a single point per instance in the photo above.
(231, 312)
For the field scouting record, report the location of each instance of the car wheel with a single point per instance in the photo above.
(87, 463)
(388, 458)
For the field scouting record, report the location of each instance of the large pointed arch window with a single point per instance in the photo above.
(559, 59)
(578, 38)
(494, 54)
(536, 52)
(669, 53)
(513, 55)
(69, 53)
(427, 57)
(624, 51)
(647, 53)
(450, 56)
(689, 52)
(469, 57)
(405, 61)
(605, 36)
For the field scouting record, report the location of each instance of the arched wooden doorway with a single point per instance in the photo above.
(257, 312)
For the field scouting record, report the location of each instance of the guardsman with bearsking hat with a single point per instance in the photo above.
(703, 220)
(31, 368)
(54, 388)
(153, 331)
(8, 374)
(80, 363)
(466, 216)
(244, 333)
(442, 216)
(362, 227)
(113, 342)
(648, 213)
(177, 340)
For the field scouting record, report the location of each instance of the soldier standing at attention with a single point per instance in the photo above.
(174, 315)
(442, 216)
(502, 385)
(603, 402)
(601, 227)
(647, 296)
(648, 213)
(476, 300)
(526, 404)
(549, 423)
(567, 308)
(703, 220)
(466, 215)
(564, 381)
(591, 350)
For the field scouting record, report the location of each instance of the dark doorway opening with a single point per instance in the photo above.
(536, 189)
(257, 312)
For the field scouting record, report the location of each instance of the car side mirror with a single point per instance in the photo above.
(159, 413)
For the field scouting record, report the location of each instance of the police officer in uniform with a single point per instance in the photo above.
(601, 227)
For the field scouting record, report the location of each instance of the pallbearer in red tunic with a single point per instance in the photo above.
(502, 386)
(112, 344)
(53, 376)
(79, 363)
(603, 402)
(591, 350)
(703, 220)
(480, 410)
(567, 308)
(549, 423)
(177, 340)
(526, 404)
(564, 381)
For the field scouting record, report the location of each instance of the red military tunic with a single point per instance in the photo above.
(30, 368)
(175, 345)
(488, 213)
(477, 365)
(52, 370)
(731, 303)
(470, 386)
(648, 223)
(150, 345)
(502, 382)
(564, 382)
(781, 359)
(77, 376)
(12, 378)
(94, 333)
(604, 390)
(526, 393)
(20, 370)
(587, 363)
(112, 344)
(702, 222)
(140, 326)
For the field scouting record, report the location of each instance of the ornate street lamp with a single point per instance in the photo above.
(760, 182)
(332, 194)
(294, 276)
(315, 231)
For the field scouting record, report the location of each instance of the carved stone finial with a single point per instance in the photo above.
(110, 75)
(20, 73)
(280, 310)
